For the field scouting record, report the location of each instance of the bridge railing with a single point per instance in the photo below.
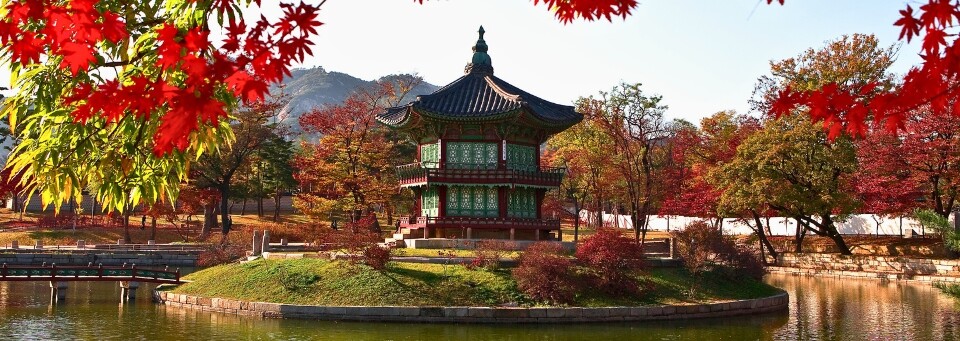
(87, 273)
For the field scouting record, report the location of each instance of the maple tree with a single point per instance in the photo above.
(584, 150)
(350, 168)
(634, 122)
(251, 129)
(935, 83)
(123, 95)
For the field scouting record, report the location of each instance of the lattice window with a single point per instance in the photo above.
(430, 155)
(471, 155)
(521, 157)
(522, 203)
(472, 201)
(430, 202)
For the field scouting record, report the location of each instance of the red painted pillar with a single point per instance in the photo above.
(502, 194)
(442, 201)
(443, 153)
(540, 193)
(502, 161)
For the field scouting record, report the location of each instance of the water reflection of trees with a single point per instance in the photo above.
(844, 309)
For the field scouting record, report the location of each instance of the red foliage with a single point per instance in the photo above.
(590, 10)
(544, 274)
(358, 240)
(246, 63)
(487, 255)
(612, 260)
(703, 248)
(934, 83)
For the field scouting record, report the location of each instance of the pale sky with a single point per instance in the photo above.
(703, 56)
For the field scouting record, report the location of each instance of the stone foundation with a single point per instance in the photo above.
(778, 302)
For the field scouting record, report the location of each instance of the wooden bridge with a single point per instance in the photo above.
(129, 277)
(91, 272)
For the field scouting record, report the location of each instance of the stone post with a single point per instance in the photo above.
(257, 243)
(15, 244)
(81, 244)
(128, 290)
(151, 242)
(38, 245)
(283, 241)
(58, 291)
(266, 241)
(121, 242)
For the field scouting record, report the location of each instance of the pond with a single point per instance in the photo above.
(820, 309)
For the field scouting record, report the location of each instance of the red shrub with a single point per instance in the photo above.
(612, 260)
(703, 248)
(216, 254)
(357, 240)
(488, 254)
(544, 274)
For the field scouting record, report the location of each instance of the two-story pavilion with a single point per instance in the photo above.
(478, 172)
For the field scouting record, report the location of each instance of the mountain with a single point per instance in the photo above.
(312, 88)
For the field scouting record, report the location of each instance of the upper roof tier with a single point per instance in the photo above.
(480, 96)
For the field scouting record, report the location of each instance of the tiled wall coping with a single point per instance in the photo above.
(777, 302)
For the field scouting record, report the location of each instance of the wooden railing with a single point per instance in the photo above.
(18, 273)
(416, 173)
(480, 222)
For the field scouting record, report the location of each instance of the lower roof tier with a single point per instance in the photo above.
(415, 174)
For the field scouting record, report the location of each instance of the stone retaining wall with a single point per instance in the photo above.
(154, 259)
(904, 265)
(777, 302)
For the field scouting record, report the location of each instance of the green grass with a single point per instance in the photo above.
(334, 283)
(950, 289)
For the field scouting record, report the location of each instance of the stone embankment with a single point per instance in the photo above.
(878, 267)
(777, 302)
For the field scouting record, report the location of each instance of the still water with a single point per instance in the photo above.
(820, 309)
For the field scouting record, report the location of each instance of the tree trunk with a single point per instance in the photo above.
(209, 221)
(576, 221)
(126, 227)
(243, 208)
(764, 241)
(260, 207)
(801, 232)
(276, 205)
(153, 228)
(225, 221)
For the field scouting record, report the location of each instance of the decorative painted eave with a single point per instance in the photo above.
(480, 96)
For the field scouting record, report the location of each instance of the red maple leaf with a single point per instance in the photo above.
(76, 57)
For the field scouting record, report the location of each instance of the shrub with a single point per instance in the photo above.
(216, 254)
(488, 255)
(612, 261)
(543, 274)
(357, 240)
(703, 248)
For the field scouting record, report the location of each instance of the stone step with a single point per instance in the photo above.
(401, 236)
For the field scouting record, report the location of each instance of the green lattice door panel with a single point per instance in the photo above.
(430, 202)
(430, 155)
(471, 155)
(522, 203)
(521, 157)
(472, 201)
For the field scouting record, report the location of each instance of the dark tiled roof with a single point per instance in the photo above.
(479, 95)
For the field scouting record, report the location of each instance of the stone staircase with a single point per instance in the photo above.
(405, 233)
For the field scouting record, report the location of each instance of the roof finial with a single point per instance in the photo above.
(481, 60)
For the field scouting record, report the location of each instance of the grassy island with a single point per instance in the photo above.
(339, 283)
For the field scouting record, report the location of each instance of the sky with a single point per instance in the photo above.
(701, 56)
